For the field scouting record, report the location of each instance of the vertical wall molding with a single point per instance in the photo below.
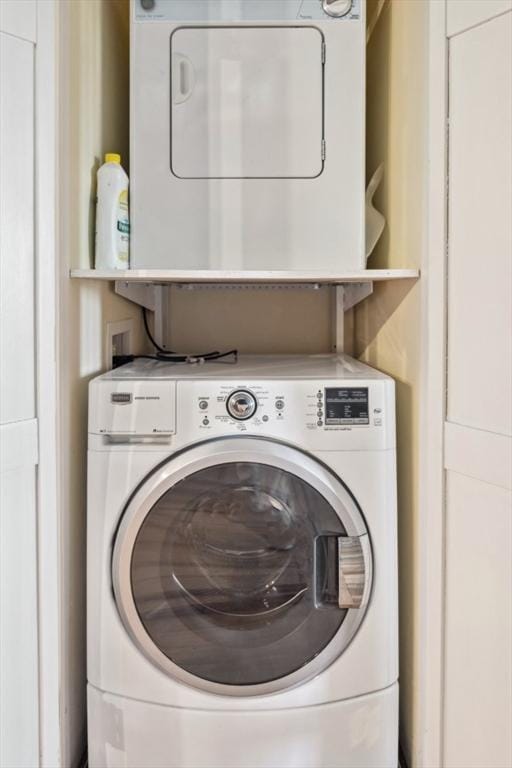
(429, 740)
(47, 310)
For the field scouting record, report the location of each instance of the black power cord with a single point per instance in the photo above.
(150, 335)
(168, 355)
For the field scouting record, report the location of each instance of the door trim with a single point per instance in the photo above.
(428, 739)
(224, 451)
(47, 371)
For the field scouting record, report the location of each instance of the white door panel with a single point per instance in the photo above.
(247, 102)
(480, 228)
(478, 681)
(463, 14)
(17, 352)
(479, 454)
(19, 649)
(19, 692)
(477, 443)
(18, 17)
(19, 445)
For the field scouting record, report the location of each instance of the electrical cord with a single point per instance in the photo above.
(169, 356)
(150, 335)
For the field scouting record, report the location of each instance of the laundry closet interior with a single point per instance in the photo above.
(298, 554)
(373, 318)
(256, 481)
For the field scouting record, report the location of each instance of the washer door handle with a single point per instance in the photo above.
(354, 571)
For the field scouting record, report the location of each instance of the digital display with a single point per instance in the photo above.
(346, 405)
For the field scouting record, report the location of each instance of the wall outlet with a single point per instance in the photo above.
(119, 341)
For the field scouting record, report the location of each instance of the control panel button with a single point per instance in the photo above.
(337, 7)
(203, 404)
(320, 423)
(279, 405)
(241, 405)
(206, 422)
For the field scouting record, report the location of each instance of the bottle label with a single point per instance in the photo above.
(123, 227)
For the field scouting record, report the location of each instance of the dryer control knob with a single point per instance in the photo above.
(337, 7)
(241, 405)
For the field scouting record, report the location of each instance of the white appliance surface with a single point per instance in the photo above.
(358, 733)
(203, 480)
(226, 120)
(247, 135)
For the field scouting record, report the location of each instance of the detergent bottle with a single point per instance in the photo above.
(112, 216)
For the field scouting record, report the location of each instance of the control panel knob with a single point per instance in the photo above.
(337, 7)
(241, 405)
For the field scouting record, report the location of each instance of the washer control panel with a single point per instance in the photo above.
(241, 405)
(317, 412)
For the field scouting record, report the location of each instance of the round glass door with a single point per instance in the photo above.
(233, 570)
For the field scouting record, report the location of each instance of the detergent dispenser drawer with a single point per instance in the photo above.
(247, 102)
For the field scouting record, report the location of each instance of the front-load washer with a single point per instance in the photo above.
(247, 135)
(242, 565)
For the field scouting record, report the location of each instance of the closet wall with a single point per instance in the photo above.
(94, 67)
(387, 326)
(253, 319)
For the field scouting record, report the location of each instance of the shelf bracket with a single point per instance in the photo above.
(353, 293)
(153, 297)
(344, 298)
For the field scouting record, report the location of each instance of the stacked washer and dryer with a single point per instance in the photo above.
(242, 564)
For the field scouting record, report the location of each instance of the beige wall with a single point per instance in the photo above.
(251, 319)
(388, 325)
(94, 119)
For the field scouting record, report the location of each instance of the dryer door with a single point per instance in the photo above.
(242, 566)
(246, 102)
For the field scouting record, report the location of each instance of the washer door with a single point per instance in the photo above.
(242, 566)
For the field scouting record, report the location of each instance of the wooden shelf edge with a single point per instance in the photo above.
(162, 276)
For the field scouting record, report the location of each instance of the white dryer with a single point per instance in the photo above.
(242, 566)
(247, 134)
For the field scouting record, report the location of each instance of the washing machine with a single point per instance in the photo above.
(242, 565)
(247, 135)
